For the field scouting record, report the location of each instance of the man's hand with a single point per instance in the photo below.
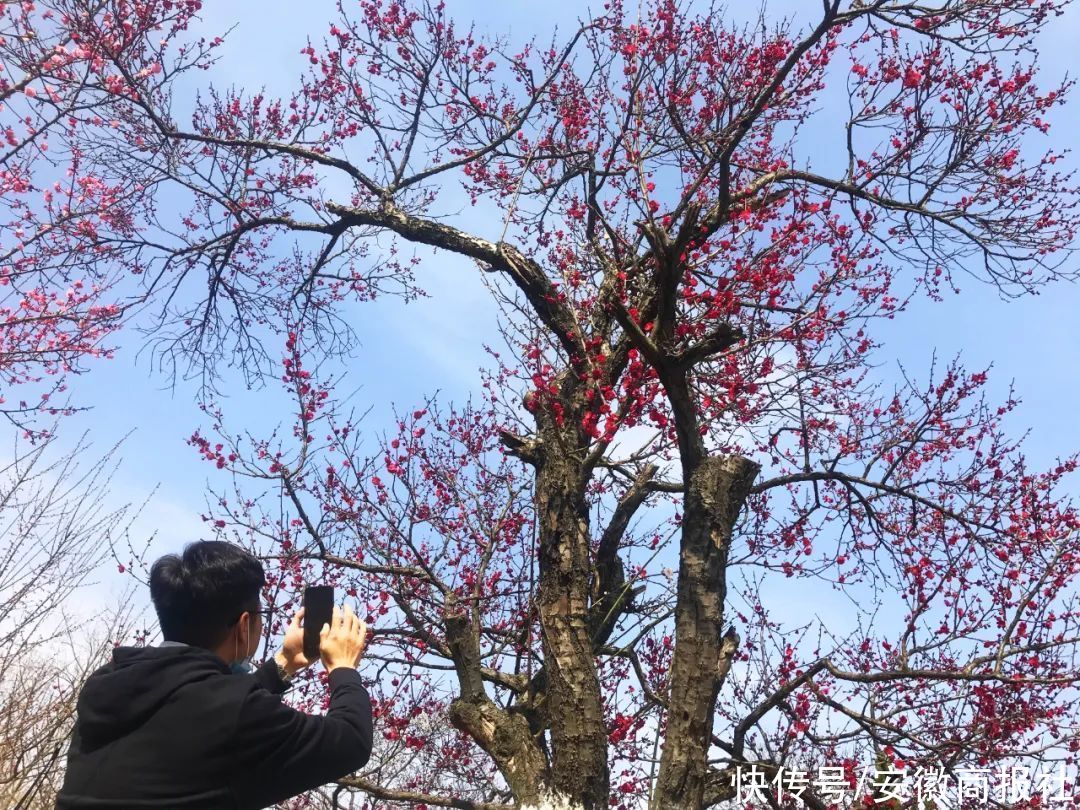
(291, 654)
(342, 641)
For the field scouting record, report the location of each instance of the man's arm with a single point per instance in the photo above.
(290, 659)
(269, 678)
(281, 752)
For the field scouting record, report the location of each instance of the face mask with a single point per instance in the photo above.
(243, 666)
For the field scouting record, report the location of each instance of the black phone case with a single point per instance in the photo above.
(318, 610)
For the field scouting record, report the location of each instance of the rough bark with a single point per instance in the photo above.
(715, 491)
(506, 737)
(573, 705)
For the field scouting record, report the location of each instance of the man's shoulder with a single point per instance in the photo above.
(144, 680)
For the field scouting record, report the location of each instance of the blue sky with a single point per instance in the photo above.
(409, 352)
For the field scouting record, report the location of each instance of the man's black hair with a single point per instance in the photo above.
(200, 594)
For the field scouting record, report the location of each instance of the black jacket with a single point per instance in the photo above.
(172, 727)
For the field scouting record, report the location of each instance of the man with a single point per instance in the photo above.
(186, 725)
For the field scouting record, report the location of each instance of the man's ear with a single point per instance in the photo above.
(249, 629)
(245, 630)
(239, 631)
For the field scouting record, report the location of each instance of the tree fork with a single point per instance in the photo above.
(506, 737)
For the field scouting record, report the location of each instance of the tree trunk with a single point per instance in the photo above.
(573, 705)
(716, 488)
(504, 736)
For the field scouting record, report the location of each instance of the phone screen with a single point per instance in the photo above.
(318, 610)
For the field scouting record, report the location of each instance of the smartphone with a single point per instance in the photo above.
(318, 610)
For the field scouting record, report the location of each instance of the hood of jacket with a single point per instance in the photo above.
(124, 694)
